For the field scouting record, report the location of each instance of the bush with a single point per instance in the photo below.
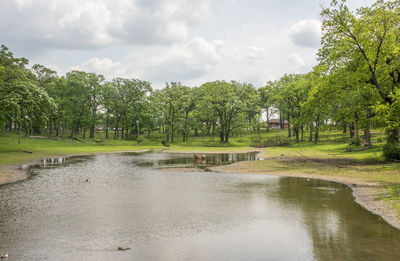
(155, 137)
(130, 137)
(242, 140)
(355, 141)
(141, 139)
(391, 151)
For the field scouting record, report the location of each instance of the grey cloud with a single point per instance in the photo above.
(57, 24)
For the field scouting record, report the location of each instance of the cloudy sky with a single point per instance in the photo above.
(192, 41)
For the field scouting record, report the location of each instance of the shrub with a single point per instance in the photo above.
(355, 141)
(141, 139)
(242, 140)
(391, 151)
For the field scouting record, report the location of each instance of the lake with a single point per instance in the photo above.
(82, 208)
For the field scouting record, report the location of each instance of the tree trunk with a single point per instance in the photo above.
(116, 132)
(351, 127)
(50, 128)
(169, 121)
(289, 128)
(57, 127)
(91, 135)
(311, 132)
(393, 136)
(367, 135)
(316, 135)
(172, 126)
(185, 127)
(356, 130)
(107, 126)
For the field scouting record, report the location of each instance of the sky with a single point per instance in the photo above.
(191, 41)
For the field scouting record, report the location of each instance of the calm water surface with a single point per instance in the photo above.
(183, 216)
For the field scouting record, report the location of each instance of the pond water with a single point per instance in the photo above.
(85, 207)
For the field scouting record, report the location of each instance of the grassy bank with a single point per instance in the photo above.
(20, 150)
(14, 152)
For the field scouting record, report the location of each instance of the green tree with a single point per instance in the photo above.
(369, 35)
(227, 100)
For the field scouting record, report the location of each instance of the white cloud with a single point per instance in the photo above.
(306, 33)
(257, 53)
(104, 66)
(181, 62)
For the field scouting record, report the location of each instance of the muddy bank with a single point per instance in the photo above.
(11, 174)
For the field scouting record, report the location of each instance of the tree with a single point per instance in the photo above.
(22, 102)
(369, 35)
(227, 100)
(266, 100)
(290, 93)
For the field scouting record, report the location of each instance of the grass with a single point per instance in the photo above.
(11, 152)
(327, 150)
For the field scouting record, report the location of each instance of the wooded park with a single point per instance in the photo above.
(179, 157)
(354, 88)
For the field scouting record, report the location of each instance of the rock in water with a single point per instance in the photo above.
(123, 248)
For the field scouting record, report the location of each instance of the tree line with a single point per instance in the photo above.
(354, 87)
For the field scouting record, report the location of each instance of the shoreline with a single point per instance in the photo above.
(366, 194)
(16, 172)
